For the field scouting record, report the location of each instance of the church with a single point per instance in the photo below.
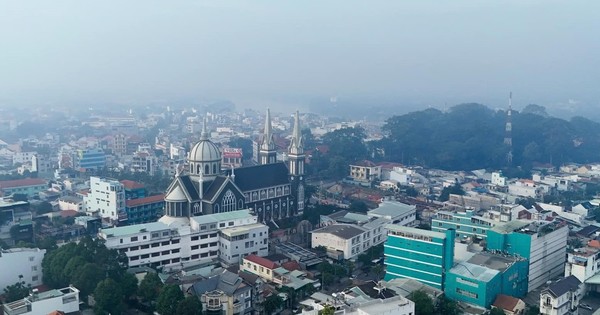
(272, 190)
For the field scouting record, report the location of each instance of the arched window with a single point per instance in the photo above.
(240, 204)
(215, 168)
(216, 209)
(196, 208)
(192, 168)
(206, 169)
(198, 169)
(228, 202)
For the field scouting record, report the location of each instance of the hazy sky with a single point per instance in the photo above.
(260, 52)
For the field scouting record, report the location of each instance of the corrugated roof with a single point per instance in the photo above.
(344, 231)
(146, 200)
(506, 302)
(224, 216)
(130, 184)
(261, 261)
(134, 229)
(392, 208)
(21, 182)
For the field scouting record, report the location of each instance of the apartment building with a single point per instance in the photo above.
(24, 264)
(106, 199)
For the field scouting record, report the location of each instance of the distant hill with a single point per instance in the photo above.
(470, 136)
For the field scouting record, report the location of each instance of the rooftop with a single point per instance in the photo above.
(134, 229)
(238, 230)
(510, 226)
(406, 229)
(392, 208)
(472, 271)
(21, 182)
(130, 184)
(146, 200)
(492, 261)
(345, 231)
(261, 261)
(225, 216)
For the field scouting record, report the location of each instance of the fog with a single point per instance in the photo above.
(293, 53)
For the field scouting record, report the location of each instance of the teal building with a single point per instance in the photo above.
(485, 275)
(422, 255)
(466, 224)
(543, 244)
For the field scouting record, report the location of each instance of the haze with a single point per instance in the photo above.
(287, 53)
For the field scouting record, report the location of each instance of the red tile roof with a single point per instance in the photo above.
(68, 213)
(291, 265)
(594, 243)
(261, 261)
(130, 184)
(145, 201)
(21, 182)
(505, 302)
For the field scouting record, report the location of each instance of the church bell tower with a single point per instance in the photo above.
(296, 159)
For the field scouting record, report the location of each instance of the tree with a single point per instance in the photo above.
(423, 303)
(16, 291)
(245, 144)
(327, 310)
(358, 206)
(455, 189)
(43, 207)
(377, 270)
(129, 285)
(496, 311)
(168, 299)
(150, 287)
(86, 278)
(108, 297)
(272, 303)
(19, 197)
(189, 306)
(445, 306)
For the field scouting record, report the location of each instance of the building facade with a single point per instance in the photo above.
(466, 224)
(90, 159)
(21, 264)
(65, 300)
(543, 244)
(27, 186)
(178, 241)
(422, 255)
(561, 297)
(145, 209)
(106, 199)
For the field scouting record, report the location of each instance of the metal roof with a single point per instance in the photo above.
(224, 216)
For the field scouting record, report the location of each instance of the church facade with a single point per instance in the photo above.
(273, 190)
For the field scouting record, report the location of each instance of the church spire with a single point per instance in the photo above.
(268, 154)
(296, 145)
(204, 133)
(508, 131)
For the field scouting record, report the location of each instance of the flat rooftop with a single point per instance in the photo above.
(345, 231)
(238, 230)
(406, 229)
(472, 271)
(492, 261)
(224, 216)
(135, 229)
(392, 208)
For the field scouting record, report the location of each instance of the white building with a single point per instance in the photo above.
(70, 203)
(584, 263)
(349, 239)
(178, 241)
(106, 198)
(64, 300)
(21, 264)
(397, 305)
(396, 212)
(525, 188)
(498, 179)
(23, 157)
(561, 297)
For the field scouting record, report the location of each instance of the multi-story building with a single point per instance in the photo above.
(561, 297)
(543, 244)
(25, 265)
(347, 241)
(106, 199)
(70, 203)
(584, 263)
(396, 212)
(27, 186)
(418, 254)
(232, 157)
(90, 159)
(365, 171)
(225, 294)
(145, 209)
(65, 300)
(480, 279)
(467, 223)
(175, 241)
(133, 189)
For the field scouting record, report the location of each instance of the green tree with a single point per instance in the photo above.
(358, 206)
(245, 144)
(189, 306)
(86, 278)
(455, 189)
(496, 311)
(43, 207)
(150, 287)
(16, 291)
(129, 285)
(108, 297)
(423, 303)
(445, 306)
(327, 310)
(168, 299)
(272, 303)
(47, 243)
(378, 270)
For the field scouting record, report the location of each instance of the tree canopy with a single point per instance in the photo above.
(168, 300)
(470, 136)
(423, 303)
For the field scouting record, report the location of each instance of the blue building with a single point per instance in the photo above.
(418, 254)
(480, 279)
(91, 159)
(467, 224)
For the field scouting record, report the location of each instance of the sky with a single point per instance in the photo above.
(287, 53)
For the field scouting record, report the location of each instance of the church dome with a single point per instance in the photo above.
(205, 151)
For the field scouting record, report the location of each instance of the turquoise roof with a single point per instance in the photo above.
(401, 228)
(135, 229)
(224, 216)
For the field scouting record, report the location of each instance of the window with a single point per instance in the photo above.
(33, 268)
(164, 243)
(194, 238)
(228, 202)
(194, 247)
(145, 256)
(230, 223)
(166, 252)
(134, 238)
(175, 241)
(175, 251)
(34, 278)
(145, 246)
(222, 224)
(31, 258)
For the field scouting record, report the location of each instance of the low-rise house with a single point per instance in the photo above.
(31, 187)
(65, 300)
(561, 297)
(226, 294)
(21, 265)
(510, 305)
